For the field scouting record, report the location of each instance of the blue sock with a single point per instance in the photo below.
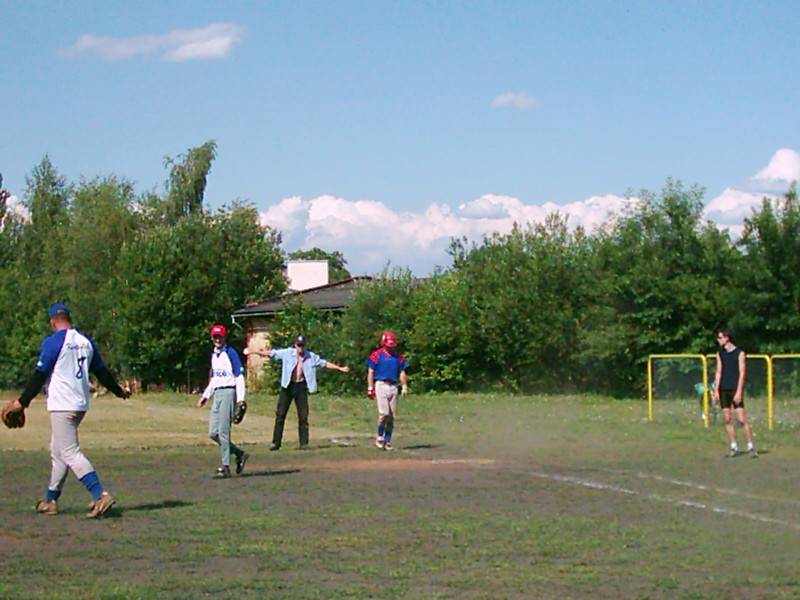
(381, 429)
(52, 495)
(387, 438)
(92, 483)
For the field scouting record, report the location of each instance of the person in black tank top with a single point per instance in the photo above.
(729, 390)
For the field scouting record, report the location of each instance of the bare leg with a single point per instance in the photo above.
(729, 428)
(742, 416)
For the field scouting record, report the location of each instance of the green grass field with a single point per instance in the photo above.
(485, 497)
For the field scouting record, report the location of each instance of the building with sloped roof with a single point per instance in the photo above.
(255, 317)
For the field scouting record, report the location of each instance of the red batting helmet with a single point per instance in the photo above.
(389, 339)
(219, 330)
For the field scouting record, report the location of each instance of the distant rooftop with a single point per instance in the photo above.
(332, 296)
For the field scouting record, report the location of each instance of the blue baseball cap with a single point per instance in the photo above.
(58, 309)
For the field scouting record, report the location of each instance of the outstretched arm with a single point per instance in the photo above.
(330, 365)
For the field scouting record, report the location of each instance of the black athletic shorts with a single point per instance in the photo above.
(726, 399)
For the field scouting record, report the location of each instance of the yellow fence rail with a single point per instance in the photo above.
(703, 358)
(775, 357)
(703, 361)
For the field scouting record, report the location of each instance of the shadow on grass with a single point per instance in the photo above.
(423, 447)
(116, 511)
(166, 504)
(273, 473)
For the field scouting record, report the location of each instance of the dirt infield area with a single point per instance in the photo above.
(485, 497)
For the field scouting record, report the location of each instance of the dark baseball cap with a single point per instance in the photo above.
(58, 309)
(299, 341)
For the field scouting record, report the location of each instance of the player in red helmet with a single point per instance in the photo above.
(226, 387)
(386, 379)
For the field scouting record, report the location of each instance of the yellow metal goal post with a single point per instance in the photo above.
(704, 360)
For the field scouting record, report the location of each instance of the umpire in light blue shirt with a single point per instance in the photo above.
(298, 379)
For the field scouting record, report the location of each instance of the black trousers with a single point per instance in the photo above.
(299, 393)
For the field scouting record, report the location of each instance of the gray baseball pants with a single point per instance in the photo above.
(65, 450)
(219, 423)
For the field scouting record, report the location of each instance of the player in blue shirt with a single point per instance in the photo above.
(386, 377)
(65, 361)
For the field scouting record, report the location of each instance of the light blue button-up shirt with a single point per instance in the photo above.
(288, 358)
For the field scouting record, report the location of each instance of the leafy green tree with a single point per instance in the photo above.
(526, 293)
(34, 275)
(102, 221)
(767, 292)
(186, 185)
(177, 280)
(443, 338)
(337, 269)
(659, 271)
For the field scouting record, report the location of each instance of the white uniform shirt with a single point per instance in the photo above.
(226, 372)
(67, 356)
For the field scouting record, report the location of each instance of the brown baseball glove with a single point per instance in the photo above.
(13, 415)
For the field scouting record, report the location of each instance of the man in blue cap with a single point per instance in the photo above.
(298, 380)
(65, 361)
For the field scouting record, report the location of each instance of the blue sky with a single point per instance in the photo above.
(382, 128)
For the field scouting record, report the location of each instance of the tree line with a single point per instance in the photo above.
(547, 308)
(543, 308)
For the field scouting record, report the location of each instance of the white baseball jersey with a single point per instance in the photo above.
(226, 372)
(67, 356)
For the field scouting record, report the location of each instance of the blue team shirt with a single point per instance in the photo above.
(387, 366)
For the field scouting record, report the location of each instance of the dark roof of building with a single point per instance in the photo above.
(332, 296)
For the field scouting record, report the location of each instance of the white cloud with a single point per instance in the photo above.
(735, 204)
(204, 43)
(732, 206)
(15, 208)
(369, 233)
(517, 100)
(783, 166)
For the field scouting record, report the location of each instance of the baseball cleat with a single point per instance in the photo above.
(223, 473)
(47, 507)
(753, 453)
(733, 453)
(100, 507)
(388, 446)
(273, 446)
(241, 462)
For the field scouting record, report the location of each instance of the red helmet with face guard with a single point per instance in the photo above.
(389, 339)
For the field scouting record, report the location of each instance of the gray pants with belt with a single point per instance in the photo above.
(219, 423)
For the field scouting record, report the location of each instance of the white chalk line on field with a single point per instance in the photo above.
(598, 485)
(707, 488)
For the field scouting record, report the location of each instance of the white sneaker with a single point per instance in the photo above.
(379, 443)
(388, 446)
